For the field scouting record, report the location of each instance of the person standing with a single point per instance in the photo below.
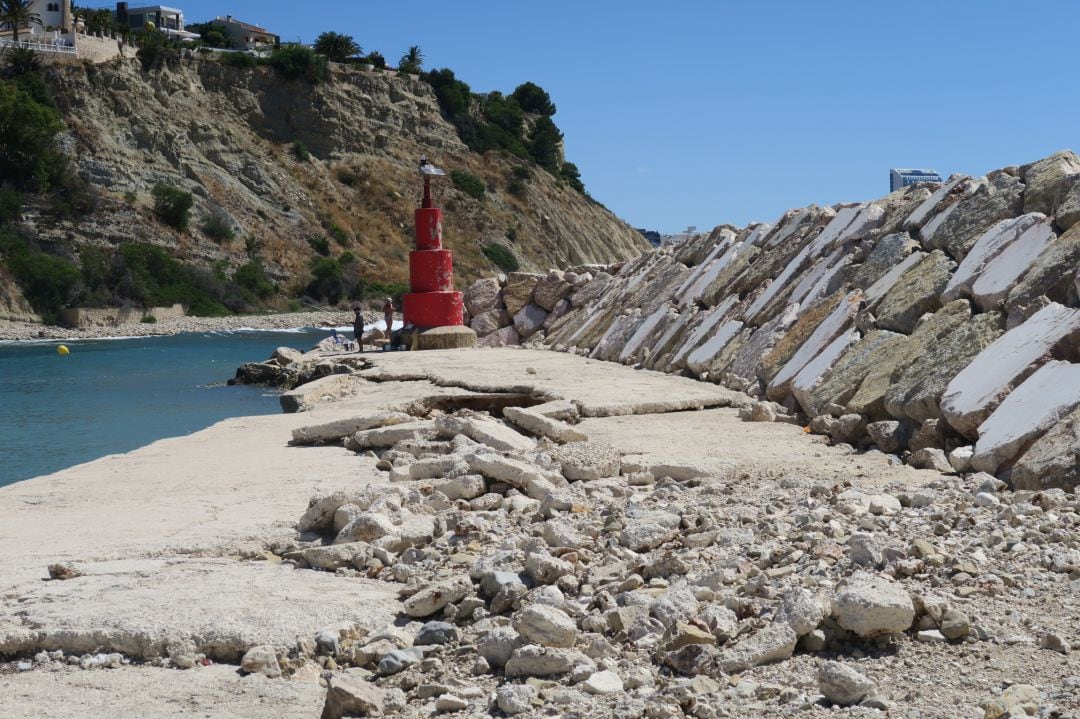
(358, 328)
(388, 317)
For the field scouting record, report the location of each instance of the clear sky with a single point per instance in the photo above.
(696, 113)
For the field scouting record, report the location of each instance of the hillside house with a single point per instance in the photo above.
(56, 17)
(245, 34)
(168, 20)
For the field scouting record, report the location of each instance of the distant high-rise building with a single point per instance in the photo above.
(900, 178)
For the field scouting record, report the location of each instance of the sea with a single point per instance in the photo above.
(115, 395)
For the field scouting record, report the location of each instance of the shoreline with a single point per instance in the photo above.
(27, 331)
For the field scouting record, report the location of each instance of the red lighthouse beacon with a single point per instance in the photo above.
(432, 301)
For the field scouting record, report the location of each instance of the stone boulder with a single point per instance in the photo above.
(551, 290)
(842, 685)
(518, 291)
(348, 696)
(915, 293)
(997, 198)
(1053, 460)
(482, 296)
(980, 386)
(505, 337)
(1048, 181)
(486, 322)
(1068, 210)
(1049, 276)
(869, 606)
(529, 320)
(1038, 404)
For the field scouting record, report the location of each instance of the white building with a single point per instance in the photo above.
(56, 17)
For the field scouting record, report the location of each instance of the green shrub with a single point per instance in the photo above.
(148, 320)
(501, 256)
(10, 205)
(533, 99)
(151, 277)
(253, 278)
(347, 176)
(468, 183)
(156, 52)
(512, 234)
(504, 112)
(47, 282)
(327, 283)
(238, 59)
(453, 94)
(516, 188)
(320, 244)
(339, 234)
(20, 61)
(520, 172)
(300, 151)
(172, 206)
(295, 62)
(218, 227)
(28, 129)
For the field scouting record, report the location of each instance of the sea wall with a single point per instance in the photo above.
(82, 318)
(939, 323)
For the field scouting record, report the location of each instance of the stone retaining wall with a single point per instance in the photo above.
(82, 318)
(911, 323)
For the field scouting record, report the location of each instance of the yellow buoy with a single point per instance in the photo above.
(63, 350)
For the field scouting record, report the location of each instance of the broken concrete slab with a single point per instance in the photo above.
(382, 437)
(978, 388)
(323, 389)
(337, 430)
(141, 608)
(1039, 403)
(538, 424)
(494, 434)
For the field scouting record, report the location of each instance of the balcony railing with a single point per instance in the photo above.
(38, 46)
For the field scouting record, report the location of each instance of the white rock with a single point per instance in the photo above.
(366, 527)
(515, 698)
(431, 599)
(977, 390)
(261, 660)
(546, 626)
(542, 426)
(870, 606)
(985, 249)
(800, 609)
(1000, 274)
(605, 682)
(1043, 399)
(843, 685)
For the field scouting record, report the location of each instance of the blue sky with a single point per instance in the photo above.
(698, 113)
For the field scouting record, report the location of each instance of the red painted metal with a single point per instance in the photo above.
(428, 228)
(431, 271)
(434, 309)
(432, 302)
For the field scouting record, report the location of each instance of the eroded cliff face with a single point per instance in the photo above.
(226, 135)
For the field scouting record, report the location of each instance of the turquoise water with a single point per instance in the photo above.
(115, 395)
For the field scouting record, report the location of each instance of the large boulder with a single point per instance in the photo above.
(888, 252)
(486, 322)
(551, 289)
(978, 389)
(1049, 276)
(1068, 210)
(868, 398)
(807, 323)
(348, 696)
(482, 296)
(998, 198)
(1001, 274)
(989, 245)
(917, 292)
(841, 382)
(1048, 181)
(836, 325)
(916, 392)
(1030, 410)
(505, 337)
(870, 606)
(529, 320)
(518, 291)
(1053, 460)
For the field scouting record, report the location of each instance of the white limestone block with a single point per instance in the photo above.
(705, 327)
(699, 360)
(644, 330)
(1000, 274)
(978, 388)
(989, 245)
(1029, 411)
(796, 265)
(931, 227)
(926, 210)
(886, 282)
(832, 327)
(809, 377)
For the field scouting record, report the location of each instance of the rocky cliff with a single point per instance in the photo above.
(227, 135)
(939, 323)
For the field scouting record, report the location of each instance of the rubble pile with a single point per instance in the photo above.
(939, 323)
(544, 577)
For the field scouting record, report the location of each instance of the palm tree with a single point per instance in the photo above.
(412, 60)
(16, 14)
(336, 47)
